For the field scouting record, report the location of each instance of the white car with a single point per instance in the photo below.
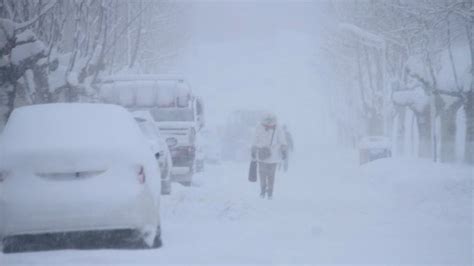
(77, 168)
(158, 145)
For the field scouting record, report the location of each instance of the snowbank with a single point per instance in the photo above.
(439, 190)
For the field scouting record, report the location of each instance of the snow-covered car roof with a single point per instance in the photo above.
(375, 142)
(70, 126)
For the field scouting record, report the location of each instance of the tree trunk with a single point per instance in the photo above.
(424, 129)
(469, 108)
(11, 96)
(448, 133)
(43, 95)
(400, 130)
(137, 40)
(469, 103)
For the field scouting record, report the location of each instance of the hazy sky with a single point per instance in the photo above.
(260, 55)
(231, 20)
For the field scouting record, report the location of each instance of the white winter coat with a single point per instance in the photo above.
(263, 138)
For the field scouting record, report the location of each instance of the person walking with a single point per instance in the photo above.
(269, 149)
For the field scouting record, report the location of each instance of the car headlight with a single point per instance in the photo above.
(171, 142)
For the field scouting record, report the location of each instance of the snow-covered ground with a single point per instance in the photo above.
(391, 211)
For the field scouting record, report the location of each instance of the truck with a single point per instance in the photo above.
(178, 112)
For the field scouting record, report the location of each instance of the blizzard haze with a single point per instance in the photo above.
(245, 51)
(262, 132)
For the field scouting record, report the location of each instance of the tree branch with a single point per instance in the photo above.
(23, 25)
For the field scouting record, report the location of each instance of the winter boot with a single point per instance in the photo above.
(270, 195)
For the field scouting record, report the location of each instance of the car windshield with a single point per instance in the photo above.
(173, 114)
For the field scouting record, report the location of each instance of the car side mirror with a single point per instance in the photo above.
(171, 142)
(157, 155)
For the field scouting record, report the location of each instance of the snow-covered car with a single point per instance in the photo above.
(374, 147)
(72, 169)
(159, 147)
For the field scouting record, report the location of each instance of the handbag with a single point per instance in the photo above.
(266, 152)
(253, 171)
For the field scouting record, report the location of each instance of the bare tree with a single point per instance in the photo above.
(416, 35)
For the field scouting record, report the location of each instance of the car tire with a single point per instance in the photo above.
(15, 244)
(7, 247)
(141, 243)
(166, 187)
(157, 243)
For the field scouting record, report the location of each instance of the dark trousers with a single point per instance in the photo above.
(285, 163)
(267, 177)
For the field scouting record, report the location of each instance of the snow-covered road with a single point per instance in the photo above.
(390, 211)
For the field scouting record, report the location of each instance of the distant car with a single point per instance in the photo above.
(74, 169)
(374, 147)
(158, 145)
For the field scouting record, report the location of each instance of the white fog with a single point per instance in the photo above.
(224, 132)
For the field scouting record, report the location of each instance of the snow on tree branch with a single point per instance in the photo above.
(45, 10)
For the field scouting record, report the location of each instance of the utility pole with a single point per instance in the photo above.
(434, 137)
(129, 38)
